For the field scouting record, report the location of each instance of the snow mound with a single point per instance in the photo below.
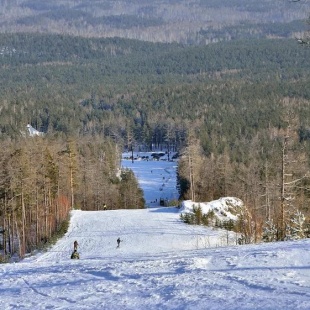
(224, 209)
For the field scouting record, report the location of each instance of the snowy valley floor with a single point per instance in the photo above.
(161, 264)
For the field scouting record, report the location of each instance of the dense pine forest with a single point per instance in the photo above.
(123, 88)
(236, 110)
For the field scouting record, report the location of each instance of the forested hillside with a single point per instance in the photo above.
(183, 21)
(122, 88)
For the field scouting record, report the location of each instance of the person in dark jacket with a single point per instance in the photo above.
(118, 242)
(75, 255)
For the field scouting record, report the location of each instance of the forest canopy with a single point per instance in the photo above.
(118, 87)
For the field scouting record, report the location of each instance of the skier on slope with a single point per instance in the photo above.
(75, 254)
(75, 245)
(118, 242)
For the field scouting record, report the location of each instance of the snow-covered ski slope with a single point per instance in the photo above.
(161, 264)
(143, 233)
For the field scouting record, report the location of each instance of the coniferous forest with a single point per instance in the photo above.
(236, 110)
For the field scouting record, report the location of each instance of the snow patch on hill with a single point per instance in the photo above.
(224, 209)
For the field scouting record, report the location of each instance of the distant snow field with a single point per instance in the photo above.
(156, 178)
(161, 263)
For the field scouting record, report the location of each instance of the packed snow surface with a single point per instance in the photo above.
(161, 263)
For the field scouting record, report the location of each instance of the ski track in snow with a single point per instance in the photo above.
(162, 263)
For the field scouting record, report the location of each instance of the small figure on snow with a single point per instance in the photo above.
(75, 245)
(75, 255)
(118, 242)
